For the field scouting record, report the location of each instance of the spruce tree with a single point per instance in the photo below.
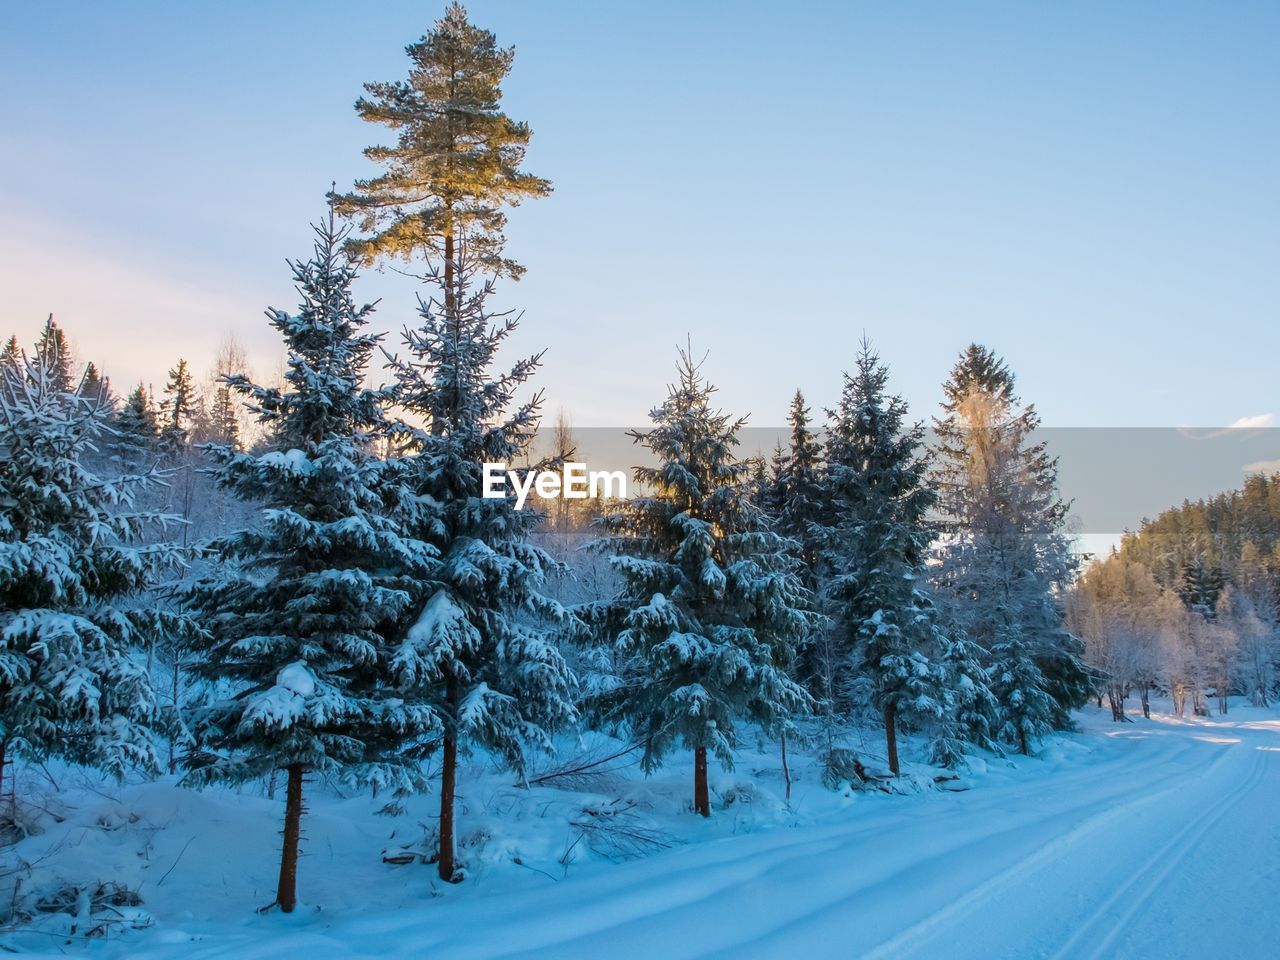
(803, 507)
(970, 710)
(803, 520)
(55, 352)
(884, 625)
(481, 648)
(93, 386)
(456, 161)
(711, 611)
(136, 426)
(1005, 557)
(178, 409)
(223, 424)
(70, 575)
(298, 610)
(11, 354)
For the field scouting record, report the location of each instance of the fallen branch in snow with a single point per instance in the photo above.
(582, 771)
(616, 832)
(176, 861)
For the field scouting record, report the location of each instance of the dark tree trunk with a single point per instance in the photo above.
(786, 771)
(701, 796)
(448, 787)
(448, 271)
(1117, 708)
(177, 687)
(1022, 743)
(891, 735)
(1146, 704)
(1099, 701)
(287, 889)
(4, 758)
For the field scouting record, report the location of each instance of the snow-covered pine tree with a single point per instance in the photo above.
(11, 353)
(711, 609)
(480, 649)
(297, 609)
(178, 410)
(804, 508)
(94, 386)
(778, 488)
(970, 710)
(54, 349)
(137, 430)
(1005, 558)
(69, 564)
(223, 423)
(803, 519)
(884, 626)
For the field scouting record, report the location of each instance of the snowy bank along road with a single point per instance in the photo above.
(1155, 839)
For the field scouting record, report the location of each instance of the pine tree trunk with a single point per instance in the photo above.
(177, 688)
(448, 785)
(891, 735)
(1022, 743)
(786, 771)
(1146, 704)
(287, 889)
(448, 271)
(701, 796)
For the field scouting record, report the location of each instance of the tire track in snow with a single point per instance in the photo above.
(913, 936)
(1171, 855)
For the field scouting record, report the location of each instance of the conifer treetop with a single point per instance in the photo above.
(456, 161)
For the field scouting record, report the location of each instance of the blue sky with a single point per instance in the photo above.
(1089, 188)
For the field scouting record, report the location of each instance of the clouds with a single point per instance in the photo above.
(1254, 422)
(1262, 466)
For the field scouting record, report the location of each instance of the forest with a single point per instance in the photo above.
(291, 583)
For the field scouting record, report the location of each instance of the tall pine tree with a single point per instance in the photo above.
(456, 161)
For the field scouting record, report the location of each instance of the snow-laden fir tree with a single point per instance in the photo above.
(1005, 558)
(481, 648)
(298, 608)
(711, 610)
(179, 409)
(803, 493)
(970, 713)
(55, 350)
(11, 353)
(94, 386)
(223, 426)
(137, 429)
(883, 624)
(70, 570)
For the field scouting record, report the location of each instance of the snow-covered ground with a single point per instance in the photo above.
(1154, 839)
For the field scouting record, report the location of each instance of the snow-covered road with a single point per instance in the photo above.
(1172, 851)
(1165, 845)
